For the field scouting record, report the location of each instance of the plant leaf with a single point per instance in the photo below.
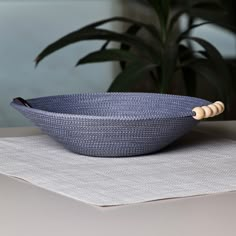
(132, 30)
(96, 34)
(105, 45)
(207, 5)
(107, 55)
(204, 68)
(174, 19)
(192, 7)
(187, 56)
(217, 67)
(220, 18)
(208, 10)
(185, 53)
(214, 16)
(132, 73)
(186, 32)
(214, 56)
(162, 8)
(168, 66)
(190, 81)
(148, 27)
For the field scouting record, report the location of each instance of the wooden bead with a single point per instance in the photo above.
(214, 110)
(219, 107)
(200, 113)
(208, 111)
(221, 104)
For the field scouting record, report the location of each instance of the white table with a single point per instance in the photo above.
(26, 210)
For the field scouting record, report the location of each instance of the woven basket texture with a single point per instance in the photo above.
(113, 124)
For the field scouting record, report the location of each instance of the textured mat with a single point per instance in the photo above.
(197, 164)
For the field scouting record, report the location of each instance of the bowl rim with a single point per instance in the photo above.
(186, 114)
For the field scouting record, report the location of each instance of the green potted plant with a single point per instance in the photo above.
(169, 56)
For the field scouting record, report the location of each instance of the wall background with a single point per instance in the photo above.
(26, 28)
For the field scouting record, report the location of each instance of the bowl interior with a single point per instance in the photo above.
(119, 104)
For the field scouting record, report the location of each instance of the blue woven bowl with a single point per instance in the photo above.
(112, 124)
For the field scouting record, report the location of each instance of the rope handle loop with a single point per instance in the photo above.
(22, 101)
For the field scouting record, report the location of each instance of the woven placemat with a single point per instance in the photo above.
(197, 164)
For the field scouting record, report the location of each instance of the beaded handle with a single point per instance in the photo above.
(211, 110)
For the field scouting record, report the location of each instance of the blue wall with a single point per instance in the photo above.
(26, 28)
